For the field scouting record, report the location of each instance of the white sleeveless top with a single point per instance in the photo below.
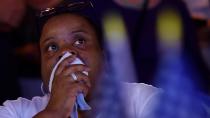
(139, 102)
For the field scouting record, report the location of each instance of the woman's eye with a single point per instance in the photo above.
(80, 42)
(52, 47)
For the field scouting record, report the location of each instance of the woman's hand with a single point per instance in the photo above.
(65, 89)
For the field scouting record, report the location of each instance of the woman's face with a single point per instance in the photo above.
(73, 33)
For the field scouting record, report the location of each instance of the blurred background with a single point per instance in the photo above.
(20, 58)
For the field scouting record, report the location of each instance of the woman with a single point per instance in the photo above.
(71, 31)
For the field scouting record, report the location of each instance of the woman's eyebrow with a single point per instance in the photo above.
(72, 32)
(79, 31)
(47, 39)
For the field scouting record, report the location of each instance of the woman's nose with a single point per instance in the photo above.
(71, 51)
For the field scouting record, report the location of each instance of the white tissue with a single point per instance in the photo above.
(67, 54)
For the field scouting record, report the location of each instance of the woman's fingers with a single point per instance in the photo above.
(82, 79)
(76, 88)
(65, 78)
(66, 62)
(68, 70)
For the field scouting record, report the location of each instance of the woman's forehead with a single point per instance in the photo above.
(65, 24)
(67, 19)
